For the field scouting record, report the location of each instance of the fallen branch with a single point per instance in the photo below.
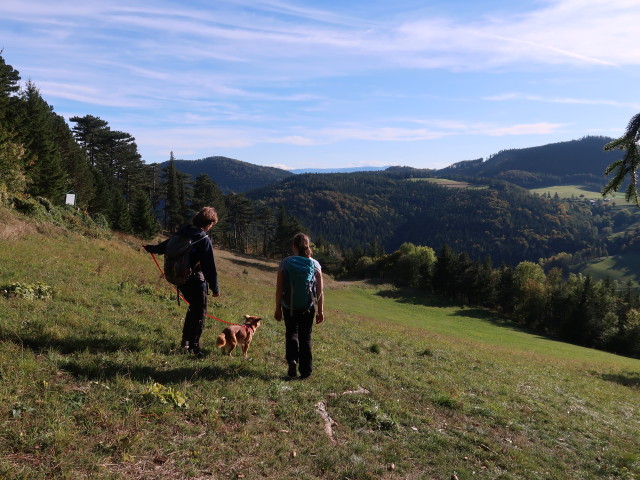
(328, 421)
(321, 407)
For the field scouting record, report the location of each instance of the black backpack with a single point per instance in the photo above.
(177, 261)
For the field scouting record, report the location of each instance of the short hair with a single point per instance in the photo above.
(303, 243)
(205, 216)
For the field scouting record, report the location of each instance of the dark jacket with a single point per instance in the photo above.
(201, 258)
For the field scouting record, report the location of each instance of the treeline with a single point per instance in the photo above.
(42, 159)
(603, 314)
(42, 156)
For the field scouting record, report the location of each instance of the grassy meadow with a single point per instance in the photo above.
(622, 267)
(93, 384)
(577, 191)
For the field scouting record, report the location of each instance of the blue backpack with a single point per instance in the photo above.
(299, 286)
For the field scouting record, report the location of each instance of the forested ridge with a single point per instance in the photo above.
(491, 218)
(580, 161)
(230, 175)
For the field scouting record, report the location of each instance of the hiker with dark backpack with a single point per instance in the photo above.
(299, 297)
(189, 264)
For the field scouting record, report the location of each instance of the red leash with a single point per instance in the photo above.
(185, 301)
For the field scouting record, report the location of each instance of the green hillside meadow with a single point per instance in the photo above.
(92, 384)
(578, 191)
(623, 268)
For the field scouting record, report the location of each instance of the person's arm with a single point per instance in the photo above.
(159, 248)
(208, 266)
(279, 282)
(320, 298)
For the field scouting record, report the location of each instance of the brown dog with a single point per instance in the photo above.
(238, 334)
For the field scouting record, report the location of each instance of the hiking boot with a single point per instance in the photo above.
(305, 375)
(293, 370)
(198, 353)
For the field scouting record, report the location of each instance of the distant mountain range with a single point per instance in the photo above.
(338, 170)
(404, 204)
(233, 175)
(577, 161)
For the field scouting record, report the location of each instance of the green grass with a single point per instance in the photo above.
(577, 191)
(623, 267)
(447, 183)
(93, 385)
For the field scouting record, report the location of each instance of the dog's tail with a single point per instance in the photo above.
(221, 340)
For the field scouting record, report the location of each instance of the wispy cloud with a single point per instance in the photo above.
(562, 100)
(524, 129)
(232, 74)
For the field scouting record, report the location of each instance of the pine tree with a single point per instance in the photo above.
(9, 87)
(75, 164)
(120, 216)
(44, 161)
(12, 177)
(206, 193)
(184, 196)
(266, 219)
(172, 216)
(91, 133)
(286, 228)
(102, 201)
(239, 216)
(143, 221)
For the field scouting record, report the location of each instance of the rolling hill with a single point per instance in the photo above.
(582, 161)
(231, 175)
(404, 205)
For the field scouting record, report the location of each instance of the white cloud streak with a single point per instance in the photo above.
(222, 72)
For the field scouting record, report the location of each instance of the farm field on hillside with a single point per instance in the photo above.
(577, 191)
(94, 385)
(444, 182)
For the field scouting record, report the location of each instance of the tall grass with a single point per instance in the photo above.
(93, 383)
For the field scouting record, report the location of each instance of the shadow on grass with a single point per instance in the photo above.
(253, 265)
(101, 367)
(41, 343)
(627, 379)
(418, 298)
(203, 369)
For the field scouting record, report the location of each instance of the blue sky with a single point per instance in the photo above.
(310, 84)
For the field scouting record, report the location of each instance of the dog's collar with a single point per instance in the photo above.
(249, 327)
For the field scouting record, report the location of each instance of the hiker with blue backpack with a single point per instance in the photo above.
(299, 298)
(189, 264)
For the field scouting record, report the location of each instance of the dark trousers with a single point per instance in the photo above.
(194, 292)
(298, 338)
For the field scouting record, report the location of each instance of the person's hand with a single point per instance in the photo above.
(278, 314)
(319, 317)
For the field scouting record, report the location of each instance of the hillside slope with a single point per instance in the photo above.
(544, 165)
(401, 205)
(94, 386)
(231, 175)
